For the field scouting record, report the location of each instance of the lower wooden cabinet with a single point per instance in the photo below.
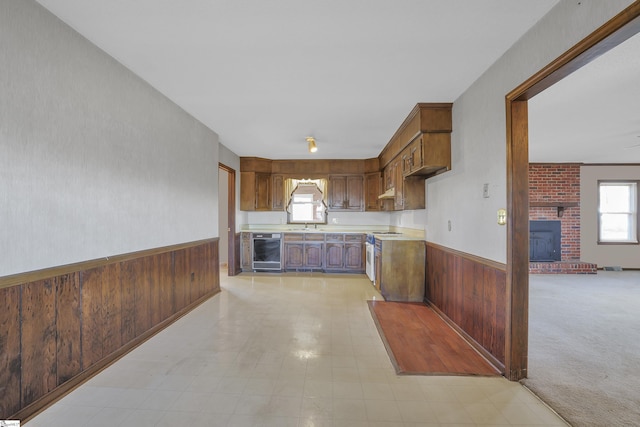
(328, 252)
(303, 251)
(345, 253)
(245, 252)
(400, 269)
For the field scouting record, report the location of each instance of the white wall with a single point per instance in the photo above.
(479, 132)
(341, 218)
(626, 256)
(93, 161)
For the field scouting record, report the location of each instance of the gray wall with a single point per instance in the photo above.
(479, 132)
(627, 256)
(93, 161)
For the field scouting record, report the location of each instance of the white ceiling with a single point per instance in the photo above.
(266, 74)
(592, 116)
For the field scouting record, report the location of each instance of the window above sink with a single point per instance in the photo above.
(306, 203)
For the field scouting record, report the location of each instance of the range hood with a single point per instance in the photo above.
(389, 194)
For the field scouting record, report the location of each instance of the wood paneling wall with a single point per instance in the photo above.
(58, 331)
(470, 293)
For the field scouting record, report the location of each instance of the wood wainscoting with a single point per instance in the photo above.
(469, 292)
(60, 326)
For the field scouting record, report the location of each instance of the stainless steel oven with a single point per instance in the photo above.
(267, 251)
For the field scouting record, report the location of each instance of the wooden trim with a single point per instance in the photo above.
(45, 273)
(517, 280)
(618, 29)
(233, 264)
(30, 411)
(473, 343)
(615, 31)
(479, 260)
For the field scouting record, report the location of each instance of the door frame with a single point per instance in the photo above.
(618, 29)
(232, 258)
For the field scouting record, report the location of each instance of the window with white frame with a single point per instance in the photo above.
(617, 211)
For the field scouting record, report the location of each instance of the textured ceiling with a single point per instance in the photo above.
(266, 74)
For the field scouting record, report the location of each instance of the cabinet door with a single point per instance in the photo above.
(293, 256)
(337, 192)
(277, 193)
(334, 256)
(346, 192)
(416, 156)
(355, 193)
(353, 256)
(263, 191)
(372, 191)
(399, 185)
(246, 253)
(313, 255)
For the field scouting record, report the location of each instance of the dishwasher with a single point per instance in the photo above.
(267, 251)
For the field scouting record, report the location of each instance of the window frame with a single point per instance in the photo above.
(637, 215)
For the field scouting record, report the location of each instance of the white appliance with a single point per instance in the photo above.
(370, 266)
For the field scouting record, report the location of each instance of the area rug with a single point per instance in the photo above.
(419, 342)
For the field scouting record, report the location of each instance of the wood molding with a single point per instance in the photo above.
(479, 260)
(45, 273)
(30, 411)
(618, 29)
(471, 292)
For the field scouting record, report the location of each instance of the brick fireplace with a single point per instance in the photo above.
(554, 196)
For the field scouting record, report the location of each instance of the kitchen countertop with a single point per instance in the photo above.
(406, 233)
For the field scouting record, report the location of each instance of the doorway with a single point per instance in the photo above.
(228, 244)
(620, 28)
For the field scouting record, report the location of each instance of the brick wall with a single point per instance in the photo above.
(557, 182)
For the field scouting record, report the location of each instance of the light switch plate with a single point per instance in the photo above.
(485, 191)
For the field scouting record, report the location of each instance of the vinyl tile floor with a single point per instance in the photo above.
(297, 349)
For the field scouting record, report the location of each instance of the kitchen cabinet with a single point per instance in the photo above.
(255, 191)
(354, 253)
(303, 251)
(428, 154)
(334, 253)
(328, 252)
(372, 185)
(344, 252)
(278, 199)
(400, 269)
(346, 192)
(398, 184)
(245, 252)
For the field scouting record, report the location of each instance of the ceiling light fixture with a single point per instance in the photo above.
(312, 144)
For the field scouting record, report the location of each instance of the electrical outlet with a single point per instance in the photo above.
(449, 225)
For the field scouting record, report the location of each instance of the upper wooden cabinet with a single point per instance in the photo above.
(277, 193)
(255, 191)
(427, 154)
(372, 189)
(423, 119)
(346, 192)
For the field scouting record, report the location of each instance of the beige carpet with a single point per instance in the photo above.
(584, 346)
